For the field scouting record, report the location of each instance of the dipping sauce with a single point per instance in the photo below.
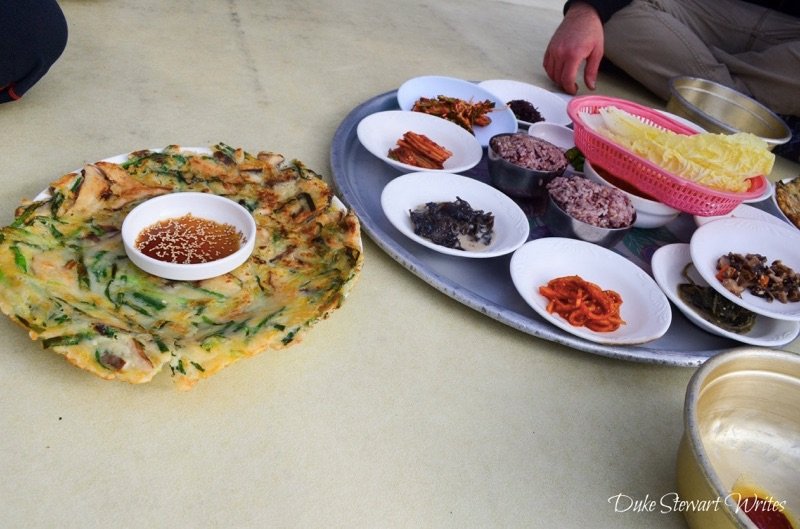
(188, 240)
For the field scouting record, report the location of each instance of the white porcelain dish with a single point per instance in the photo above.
(775, 201)
(559, 135)
(649, 213)
(408, 192)
(552, 107)
(432, 86)
(668, 263)
(743, 236)
(175, 205)
(379, 132)
(645, 308)
(742, 211)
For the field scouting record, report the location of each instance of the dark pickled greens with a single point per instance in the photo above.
(525, 111)
(714, 307)
(575, 158)
(453, 224)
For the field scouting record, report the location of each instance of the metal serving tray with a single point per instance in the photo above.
(485, 284)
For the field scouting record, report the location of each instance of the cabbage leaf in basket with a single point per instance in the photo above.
(719, 161)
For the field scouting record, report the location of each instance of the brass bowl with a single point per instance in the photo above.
(717, 108)
(742, 434)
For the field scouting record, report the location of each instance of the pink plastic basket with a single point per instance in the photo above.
(662, 185)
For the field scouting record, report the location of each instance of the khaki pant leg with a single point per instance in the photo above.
(738, 44)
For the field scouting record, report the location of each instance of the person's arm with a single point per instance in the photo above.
(604, 8)
(579, 38)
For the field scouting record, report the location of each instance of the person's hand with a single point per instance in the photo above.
(578, 38)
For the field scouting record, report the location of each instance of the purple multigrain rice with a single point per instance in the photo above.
(529, 152)
(591, 202)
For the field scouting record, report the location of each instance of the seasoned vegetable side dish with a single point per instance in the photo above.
(466, 114)
(65, 277)
(583, 303)
(453, 224)
(714, 307)
(420, 151)
(525, 111)
(751, 272)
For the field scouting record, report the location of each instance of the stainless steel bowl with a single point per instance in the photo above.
(649, 213)
(561, 224)
(514, 180)
(717, 108)
(742, 435)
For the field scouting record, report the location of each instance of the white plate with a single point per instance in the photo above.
(668, 263)
(559, 135)
(742, 211)
(743, 236)
(407, 192)
(380, 131)
(552, 107)
(432, 86)
(775, 202)
(645, 309)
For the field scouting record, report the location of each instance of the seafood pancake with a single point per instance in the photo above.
(65, 277)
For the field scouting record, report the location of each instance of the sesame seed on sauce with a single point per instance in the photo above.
(188, 240)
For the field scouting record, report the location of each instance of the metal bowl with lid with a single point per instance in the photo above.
(718, 108)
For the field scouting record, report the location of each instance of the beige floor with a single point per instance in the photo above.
(404, 409)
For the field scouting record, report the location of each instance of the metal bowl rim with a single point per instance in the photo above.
(674, 90)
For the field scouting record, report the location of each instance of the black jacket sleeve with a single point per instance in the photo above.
(33, 34)
(604, 8)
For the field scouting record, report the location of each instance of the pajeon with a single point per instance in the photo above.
(65, 277)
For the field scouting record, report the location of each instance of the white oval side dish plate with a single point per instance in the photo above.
(379, 132)
(552, 107)
(410, 191)
(645, 309)
(559, 135)
(668, 263)
(432, 86)
(743, 236)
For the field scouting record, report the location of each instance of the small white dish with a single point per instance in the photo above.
(775, 202)
(737, 235)
(175, 205)
(408, 192)
(552, 107)
(559, 135)
(742, 211)
(645, 309)
(379, 132)
(668, 263)
(432, 86)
